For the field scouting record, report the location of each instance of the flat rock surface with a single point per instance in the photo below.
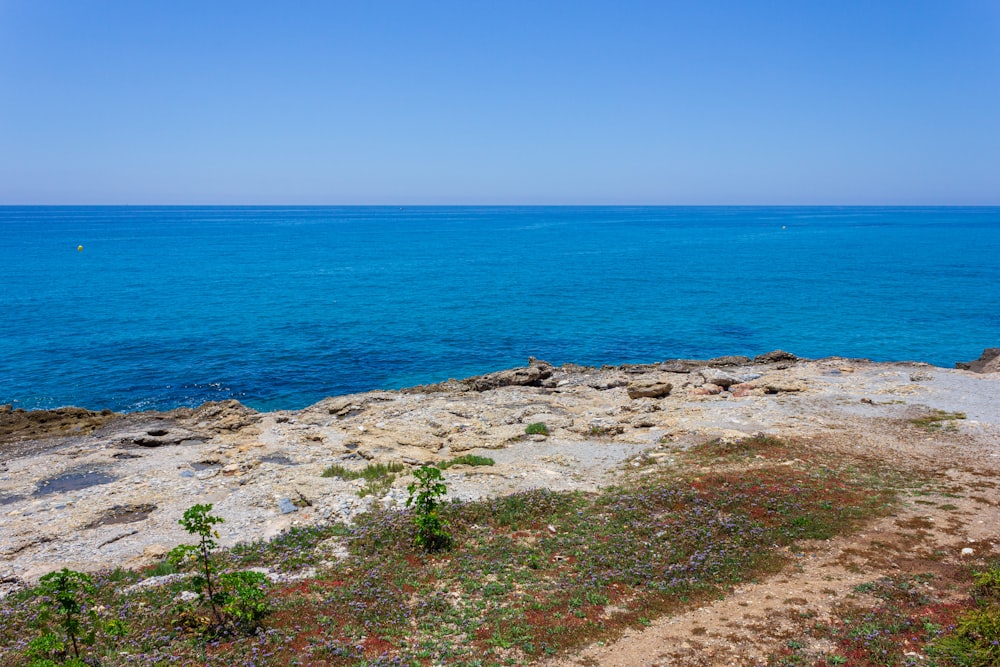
(111, 492)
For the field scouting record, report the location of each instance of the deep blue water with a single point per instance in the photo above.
(279, 307)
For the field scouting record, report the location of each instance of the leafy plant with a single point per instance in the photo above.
(538, 428)
(245, 597)
(198, 521)
(67, 594)
(987, 585)
(975, 642)
(425, 498)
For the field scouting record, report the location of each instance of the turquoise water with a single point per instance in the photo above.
(279, 307)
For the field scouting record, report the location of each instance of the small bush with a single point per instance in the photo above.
(986, 586)
(66, 594)
(245, 598)
(975, 642)
(425, 498)
(538, 428)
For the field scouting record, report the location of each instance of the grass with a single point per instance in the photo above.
(467, 460)
(378, 476)
(938, 420)
(370, 472)
(530, 575)
(538, 428)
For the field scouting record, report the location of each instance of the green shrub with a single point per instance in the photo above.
(198, 521)
(986, 586)
(975, 642)
(538, 428)
(66, 594)
(245, 598)
(425, 498)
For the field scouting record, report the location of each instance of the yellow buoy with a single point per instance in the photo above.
(79, 248)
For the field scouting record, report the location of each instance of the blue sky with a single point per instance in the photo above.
(476, 102)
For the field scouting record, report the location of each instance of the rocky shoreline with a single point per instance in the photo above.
(89, 490)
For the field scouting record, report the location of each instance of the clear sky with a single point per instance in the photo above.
(499, 102)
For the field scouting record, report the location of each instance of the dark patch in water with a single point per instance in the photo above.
(123, 514)
(7, 500)
(280, 459)
(72, 481)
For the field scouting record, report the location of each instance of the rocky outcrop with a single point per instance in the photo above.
(531, 376)
(222, 416)
(535, 372)
(16, 424)
(988, 362)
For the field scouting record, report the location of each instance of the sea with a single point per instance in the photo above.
(140, 308)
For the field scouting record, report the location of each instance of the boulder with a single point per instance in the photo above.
(648, 388)
(533, 374)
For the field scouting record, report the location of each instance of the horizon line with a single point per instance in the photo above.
(489, 205)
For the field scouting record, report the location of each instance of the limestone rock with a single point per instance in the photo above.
(156, 433)
(747, 389)
(648, 387)
(228, 415)
(155, 551)
(533, 374)
(719, 377)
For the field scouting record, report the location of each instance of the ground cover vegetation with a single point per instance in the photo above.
(936, 420)
(517, 579)
(378, 476)
(944, 619)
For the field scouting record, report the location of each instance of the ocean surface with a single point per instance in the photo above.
(281, 306)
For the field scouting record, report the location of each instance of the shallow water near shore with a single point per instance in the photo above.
(279, 307)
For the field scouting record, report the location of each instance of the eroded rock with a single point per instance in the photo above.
(653, 387)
